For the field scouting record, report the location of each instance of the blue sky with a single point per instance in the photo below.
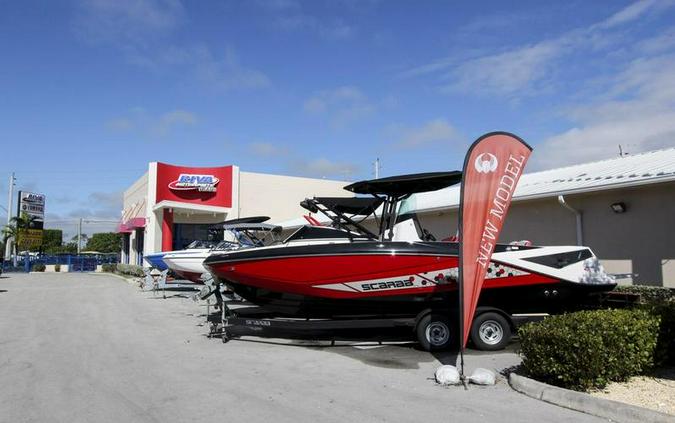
(92, 90)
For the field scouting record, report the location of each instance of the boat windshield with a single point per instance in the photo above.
(200, 244)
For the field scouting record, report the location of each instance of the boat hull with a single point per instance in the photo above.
(187, 264)
(155, 260)
(397, 279)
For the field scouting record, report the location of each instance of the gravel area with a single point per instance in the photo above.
(655, 392)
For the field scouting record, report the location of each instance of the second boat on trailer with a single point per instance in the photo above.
(246, 232)
(399, 270)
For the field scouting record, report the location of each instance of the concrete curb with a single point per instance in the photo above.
(608, 409)
(127, 280)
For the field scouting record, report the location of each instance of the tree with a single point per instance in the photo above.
(84, 238)
(52, 239)
(105, 242)
(11, 232)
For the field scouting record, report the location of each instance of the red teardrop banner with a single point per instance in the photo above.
(492, 168)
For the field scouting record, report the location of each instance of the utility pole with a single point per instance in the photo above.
(377, 168)
(79, 236)
(8, 247)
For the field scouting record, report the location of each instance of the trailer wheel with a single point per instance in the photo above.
(225, 336)
(434, 332)
(490, 332)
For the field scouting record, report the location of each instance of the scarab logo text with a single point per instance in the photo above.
(401, 283)
(189, 181)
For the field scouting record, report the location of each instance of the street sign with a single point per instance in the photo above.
(31, 205)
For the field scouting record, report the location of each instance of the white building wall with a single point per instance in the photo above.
(153, 225)
(134, 197)
(279, 196)
(136, 193)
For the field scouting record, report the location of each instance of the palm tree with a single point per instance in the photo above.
(10, 233)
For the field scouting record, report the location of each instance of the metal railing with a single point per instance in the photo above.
(74, 262)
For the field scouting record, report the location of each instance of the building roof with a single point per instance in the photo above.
(621, 172)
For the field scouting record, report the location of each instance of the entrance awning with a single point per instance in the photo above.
(131, 224)
(190, 207)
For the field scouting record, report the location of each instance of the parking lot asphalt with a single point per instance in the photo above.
(93, 348)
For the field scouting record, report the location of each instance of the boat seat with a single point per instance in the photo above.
(406, 231)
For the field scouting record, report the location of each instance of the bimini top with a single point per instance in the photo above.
(362, 206)
(251, 219)
(397, 186)
(252, 227)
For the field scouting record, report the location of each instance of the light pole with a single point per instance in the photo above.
(79, 236)
(8, 247)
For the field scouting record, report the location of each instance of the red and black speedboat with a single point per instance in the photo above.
(397, 269)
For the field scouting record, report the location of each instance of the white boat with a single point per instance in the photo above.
(237, 233)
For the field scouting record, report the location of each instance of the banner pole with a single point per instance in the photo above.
(462, 377)
(460, 297)
(460, 275)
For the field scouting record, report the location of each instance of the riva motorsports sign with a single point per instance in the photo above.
(188, 181)
(31, 207)
(206, 186)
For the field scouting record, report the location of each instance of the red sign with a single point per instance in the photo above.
(492, 169)
(195, 185)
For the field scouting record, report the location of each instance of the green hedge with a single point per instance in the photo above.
(38, 267)
(648, 294)
(589, 349)
(107, 267)
(665, 346)
(130, 269)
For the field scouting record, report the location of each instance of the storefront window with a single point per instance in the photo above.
(185, 233)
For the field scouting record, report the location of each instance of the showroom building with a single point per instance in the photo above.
(170, 206)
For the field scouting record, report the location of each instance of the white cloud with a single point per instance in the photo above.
(162, 125)
(121, 21)
(100, 211)
(433, 132)
(634, 11)
(343, 105)
(333, 30)
(267, 149)
(324, 168)
(109, 203)
(528, 69)
(224, 73)
(278, 5)
(659, 43)
(507, 73)
(175, 118)
(289, 16)
(140, 29)
(120, 124)
(637, 112)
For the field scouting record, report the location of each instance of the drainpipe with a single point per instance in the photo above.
(577, 215)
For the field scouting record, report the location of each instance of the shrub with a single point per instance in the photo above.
(109, 267)
(648, 294)
(130, 269)
(57, 267)
(38, 267)
(658, 301)
(589, 349)
(665, 345)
